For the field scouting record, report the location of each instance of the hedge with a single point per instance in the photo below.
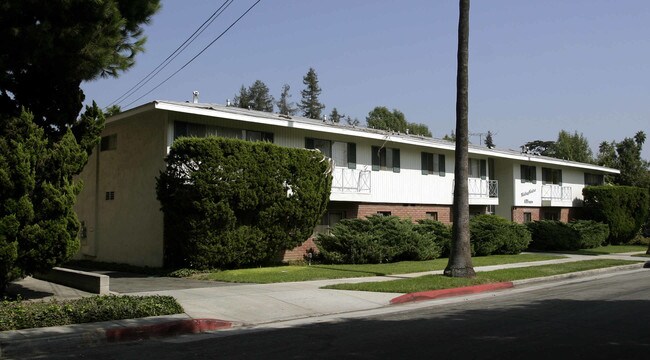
(491, 234)
(16, 315)
(623, 208)
(553, 235)
(376, 239)
(230, 203)
(442, 233)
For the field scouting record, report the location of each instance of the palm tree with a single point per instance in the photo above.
(460, 258)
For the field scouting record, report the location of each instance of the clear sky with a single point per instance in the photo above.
(536, 66)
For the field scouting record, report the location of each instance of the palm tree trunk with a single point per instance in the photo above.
(460, 258)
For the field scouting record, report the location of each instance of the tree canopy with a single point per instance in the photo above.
(310, 104)
(626, 156)
(256, 97)
(50, 47)
(285, 106)
(382, 118)
(573, 147)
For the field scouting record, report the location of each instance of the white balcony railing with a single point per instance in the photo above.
(480, 188)
(346, 180)
(556, 192)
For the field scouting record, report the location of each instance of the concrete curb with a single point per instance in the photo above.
(443, 293)
(20, 343)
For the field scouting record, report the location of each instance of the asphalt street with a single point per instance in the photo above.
(606, 318)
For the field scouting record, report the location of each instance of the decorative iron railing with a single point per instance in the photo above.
(556, 192)
(351, 180)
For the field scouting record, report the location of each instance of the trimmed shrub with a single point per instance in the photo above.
(374, 240)
(441, 231)
(554, 235)
(491, 234)
(591, 234)
(15, 315)
(231, 203)
(623, 208)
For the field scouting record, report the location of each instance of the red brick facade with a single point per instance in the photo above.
(544, 213)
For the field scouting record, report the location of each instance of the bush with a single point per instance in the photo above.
(374, 240)
(623, 208)
(230, 203)
(554, 235)
(491, 234)
(441, 232)
(591, 234)
(15, 315)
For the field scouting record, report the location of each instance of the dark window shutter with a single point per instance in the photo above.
(441, 165)
(524, 173)
(424, 161)
(375, 157)
(267, 136)
(309, 143)
(352, 156)
(483, 169)
(396, 164)
(559, 176)
(533, 173)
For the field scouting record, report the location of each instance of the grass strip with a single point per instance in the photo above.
(437, 282)
(16, 315)
(291, 273)
(610, 249)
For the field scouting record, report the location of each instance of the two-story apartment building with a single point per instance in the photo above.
(375, 172)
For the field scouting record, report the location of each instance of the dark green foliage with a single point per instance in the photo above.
(230, 203)
(623, 208)
(591, 234)
(553, 235)
(441, 231)
(285, 106)
(382, 118)
(310, 104)
(374, 240)
(256, 97)
(626, 156)
(15, 315)
(38, 228)
(50, 47)
(491, 234)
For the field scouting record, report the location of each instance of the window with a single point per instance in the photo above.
(528, 174)
(433, 163)
(344, 154)
(528, 217)
(551, 214)
(594, 179)
(385, 159)
(259, 136)
(384, 213)
(551, 176)
(324, 146)
(432, 215)
(108, 143)
(182, 128)
(110, 195)
(477, 168)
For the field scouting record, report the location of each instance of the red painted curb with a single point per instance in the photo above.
(171, 328)
(436, 294)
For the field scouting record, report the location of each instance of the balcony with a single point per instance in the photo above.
(482, 189)
(552, 194)
(346, 180)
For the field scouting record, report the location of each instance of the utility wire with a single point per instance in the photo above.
(197, 55)
(174, 54)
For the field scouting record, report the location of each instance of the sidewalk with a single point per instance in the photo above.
(239, 305)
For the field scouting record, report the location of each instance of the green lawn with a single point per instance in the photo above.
(612, 249)
(320, 272)
(436, 282)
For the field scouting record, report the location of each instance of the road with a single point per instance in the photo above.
(607, 318)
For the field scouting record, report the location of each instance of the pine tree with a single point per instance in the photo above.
(335, 117)
(285, 107)
(242, 100)
(256, 97)
(310, 105)
(489, 142)
(351, 121)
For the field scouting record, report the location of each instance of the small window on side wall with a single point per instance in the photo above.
(528, 217)
(432, 215)
(384, 213)
(108, 142)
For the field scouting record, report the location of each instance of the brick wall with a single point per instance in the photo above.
(415, 212)
(565, 214)
(298, 253)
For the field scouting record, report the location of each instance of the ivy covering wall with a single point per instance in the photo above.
(230, 203)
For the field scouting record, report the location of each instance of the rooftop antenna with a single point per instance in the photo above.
(195, 97)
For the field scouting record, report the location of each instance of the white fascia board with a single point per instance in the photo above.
(358, 133)
(136, 110)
